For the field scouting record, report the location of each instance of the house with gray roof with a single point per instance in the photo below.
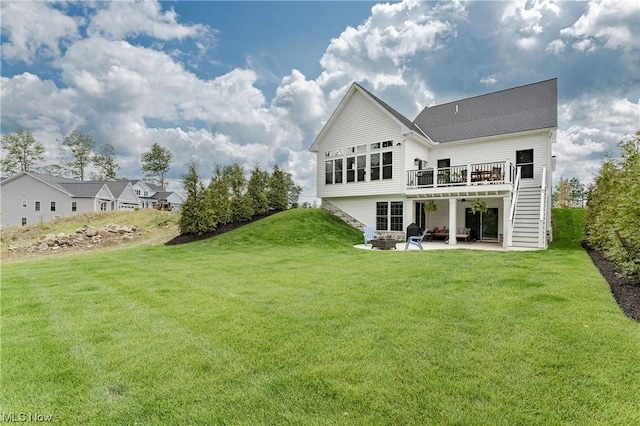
(376, 167)
(30, 197)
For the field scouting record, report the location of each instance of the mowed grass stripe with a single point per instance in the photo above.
(235, 330)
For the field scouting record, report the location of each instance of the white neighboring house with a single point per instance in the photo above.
(150, 194)
(29, 198)
(377, 167)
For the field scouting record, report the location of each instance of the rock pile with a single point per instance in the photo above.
(85, 237)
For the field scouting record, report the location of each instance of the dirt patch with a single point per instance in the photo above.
(626, 291)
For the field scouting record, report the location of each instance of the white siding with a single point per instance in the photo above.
(361, 121)
(496, 149)
(26, 188)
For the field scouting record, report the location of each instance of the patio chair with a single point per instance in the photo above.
(417, 240)
(369, 234)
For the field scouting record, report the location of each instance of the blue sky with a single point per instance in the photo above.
(253, 82)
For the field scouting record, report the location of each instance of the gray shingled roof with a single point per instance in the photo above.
(82, 189)
(519, 109)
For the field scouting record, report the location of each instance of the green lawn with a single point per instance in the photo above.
(283, 322)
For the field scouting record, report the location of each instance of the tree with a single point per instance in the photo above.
(257, 191)
(613, 210)
(194, 218)
(293, 191)
(562, 194)
(578, 192)
(79, 147)
(240, 204)
(156, 163)
(22, 152)
(105, 161)
(277, 190)
(217, 198)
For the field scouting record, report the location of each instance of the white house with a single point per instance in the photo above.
(377, 167)
(30, 197)
(150, 194)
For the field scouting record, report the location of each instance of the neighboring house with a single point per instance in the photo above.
(29, 197)
(150, 194)
(377, 167)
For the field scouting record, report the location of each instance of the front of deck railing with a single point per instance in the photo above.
(468, 174)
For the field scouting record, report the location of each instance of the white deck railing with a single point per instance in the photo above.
(461, 175)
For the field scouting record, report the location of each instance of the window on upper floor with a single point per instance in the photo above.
(362, 167)
(524, 160)
(387, 165)
(37, 206)
(374, 161)
(351, 169)
(24, 203)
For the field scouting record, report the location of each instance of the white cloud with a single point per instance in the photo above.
(609, 22)
(489, 80)
(591, 128)
(34, 28)
(523, 19)
(121, 19)
(378, 51)
(555, 47)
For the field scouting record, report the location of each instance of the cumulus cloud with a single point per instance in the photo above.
(609, 23)
(122, 19)
(555, 47)
(379, 50)
(524, 19)
(590, 129)
(46, 30)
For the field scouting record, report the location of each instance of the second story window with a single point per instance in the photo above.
(328, 172)
(362, 167)
(351, 169)
(374, 160)
(387, 165)
(524, 159)
(37, 206)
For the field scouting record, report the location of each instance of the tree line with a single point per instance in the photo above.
(612, 201)
(80, 157)
(612, 218)
(231, 198)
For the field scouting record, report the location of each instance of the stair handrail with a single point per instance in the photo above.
(512, 211)
(543, 193)
(543, 208)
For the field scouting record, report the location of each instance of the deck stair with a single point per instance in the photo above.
(526, 223)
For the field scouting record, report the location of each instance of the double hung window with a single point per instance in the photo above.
(389, 216)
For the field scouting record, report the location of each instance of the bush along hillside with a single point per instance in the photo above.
(231, 198)
(613, 209)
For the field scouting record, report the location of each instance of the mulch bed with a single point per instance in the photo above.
(189, 238)
(626, 291)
